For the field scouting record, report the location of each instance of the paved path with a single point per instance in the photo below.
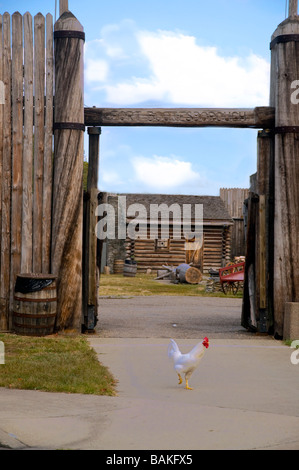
(165, 316)
(245, 396)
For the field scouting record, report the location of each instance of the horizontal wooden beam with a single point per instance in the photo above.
(257, 118)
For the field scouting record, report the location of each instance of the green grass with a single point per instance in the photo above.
(54, 363)
(117, 285)
(288, 342)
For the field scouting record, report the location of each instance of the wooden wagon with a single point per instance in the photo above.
(232, 277)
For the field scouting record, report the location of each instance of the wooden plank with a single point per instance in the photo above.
(293, 7)
(48, 151)
(17, 147)
(39, 94)
(2, 99)
(3, 313)
(257, 118)
(90, 253)
(63, 6)
(67, 219)
(92, 278)
(262, 252)
(26, 254)
(264, 245)
(6, 176)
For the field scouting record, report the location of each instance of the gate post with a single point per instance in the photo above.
(284, 97)
(90, 244)
(66, 255)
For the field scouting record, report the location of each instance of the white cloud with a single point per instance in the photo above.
(164, 173)
(110, 177)
(96, 70)
(184, 72)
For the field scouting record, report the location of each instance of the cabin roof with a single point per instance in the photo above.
(213, 206)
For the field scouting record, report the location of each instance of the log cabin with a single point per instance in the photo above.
(213, 250)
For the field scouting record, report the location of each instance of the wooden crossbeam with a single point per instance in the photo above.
(257, 118)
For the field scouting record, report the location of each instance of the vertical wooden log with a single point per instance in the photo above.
(286, 221)
(2, 93)
(249, 311)
(17, 148)
(93, 161)
(91, 271)
(6, 178)
(66, 255)
(26, 255)
(48, 152)
(262, 251)
(39, 96)
(265, 189)
(293, 7)
(63, 6)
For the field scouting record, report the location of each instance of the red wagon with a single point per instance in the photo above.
(232, 277)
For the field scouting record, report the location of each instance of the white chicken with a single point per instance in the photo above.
(186, 363)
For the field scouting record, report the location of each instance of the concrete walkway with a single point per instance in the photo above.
(245, 396)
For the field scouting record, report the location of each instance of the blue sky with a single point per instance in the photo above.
(170, 53)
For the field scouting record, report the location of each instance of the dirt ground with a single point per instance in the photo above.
(170, 316)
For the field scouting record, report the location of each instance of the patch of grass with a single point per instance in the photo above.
(288, 342)
(117, 285)
(54, 363)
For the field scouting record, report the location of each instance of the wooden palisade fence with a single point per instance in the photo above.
(41, 184)
(26, 150)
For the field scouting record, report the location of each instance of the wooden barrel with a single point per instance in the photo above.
(35, 304)
(118, 266)
(129, 270)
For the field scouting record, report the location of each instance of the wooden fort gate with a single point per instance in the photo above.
(40, 237)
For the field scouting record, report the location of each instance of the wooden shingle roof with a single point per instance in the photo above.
(213, 206)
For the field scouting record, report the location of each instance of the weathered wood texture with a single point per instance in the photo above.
(34, 313)
(189, 274)
(25, 146)
(67, 230)
(48, 150)
(214, 252)
(257, 118)
(233, 199)
(249, 314)
(265, 228)
(293, 7)
(63, 6)
(27, 220)
(285, 56)
(2, 99)
(6, 177)
(39, 88)
(90, 244)
(17, 136)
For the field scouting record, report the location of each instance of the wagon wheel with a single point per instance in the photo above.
(235, 287)
(225, 287)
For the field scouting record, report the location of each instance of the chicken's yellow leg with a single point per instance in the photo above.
(180, 379)
(187, 386)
